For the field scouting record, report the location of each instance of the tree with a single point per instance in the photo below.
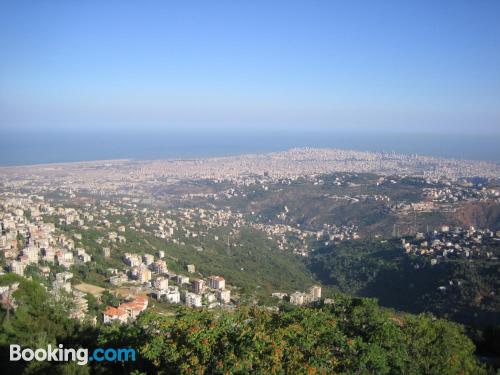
(352, 336)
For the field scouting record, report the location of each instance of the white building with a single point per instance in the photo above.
(298, 298)
(198, 285)
(224, 295)
(161, 283)
(216, 282)
(193, 300)
(144, 274)
(65, 258)
(160, 266)
(173, 295)
(181, 279)
(315, 292)
(17, 267)
(133, 260)
(31, 253)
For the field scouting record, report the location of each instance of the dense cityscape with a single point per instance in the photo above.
(250, 187)
(69, 224)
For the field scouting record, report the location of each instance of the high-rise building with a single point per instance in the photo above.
(198, 285)
(216, 282)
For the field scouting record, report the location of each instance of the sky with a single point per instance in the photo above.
(396, 66)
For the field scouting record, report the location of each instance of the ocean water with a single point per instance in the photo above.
(20, 148)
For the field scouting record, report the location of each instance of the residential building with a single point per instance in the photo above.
(193, 300)
(216, 282)
(198, 285)
(224, 295)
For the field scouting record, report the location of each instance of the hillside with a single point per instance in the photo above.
(351, 335)
(381, 269)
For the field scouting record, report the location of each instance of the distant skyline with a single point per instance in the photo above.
(385, 66)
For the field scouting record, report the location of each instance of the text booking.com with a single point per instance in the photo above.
(81, 356)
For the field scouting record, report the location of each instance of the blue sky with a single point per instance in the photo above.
(429, 66)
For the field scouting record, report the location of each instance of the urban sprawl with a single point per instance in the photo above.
(59, 219)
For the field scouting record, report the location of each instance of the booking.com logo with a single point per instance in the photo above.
(80, 356)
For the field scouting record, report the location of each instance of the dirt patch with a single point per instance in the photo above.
(89, 288)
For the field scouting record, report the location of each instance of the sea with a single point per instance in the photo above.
(37, 147)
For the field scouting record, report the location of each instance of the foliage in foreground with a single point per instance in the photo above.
(38, 320)
(351, 336)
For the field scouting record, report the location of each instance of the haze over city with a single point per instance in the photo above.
(250, 187)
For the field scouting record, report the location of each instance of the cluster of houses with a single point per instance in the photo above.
(300, 298)
(154, 277)
(297, 240)
(38, 245)
(454, 242)
(176, 226)
(193, 223)
(196, 293)
(405, 208)
(26, 240)
(211, 292)
(146, 270)
(455, 193)
(127, 311)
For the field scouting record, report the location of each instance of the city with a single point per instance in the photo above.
(78, 239)
(259, 187)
